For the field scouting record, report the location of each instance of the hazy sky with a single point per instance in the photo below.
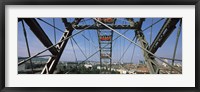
(119, 46)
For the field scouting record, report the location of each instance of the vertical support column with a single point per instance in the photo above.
(175, 48)
(27, 45)
(105, 39)
(98, 33)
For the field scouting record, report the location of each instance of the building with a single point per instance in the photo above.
(88, 66)
(142, 69)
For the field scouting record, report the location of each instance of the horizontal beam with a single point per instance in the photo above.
(41, 35)
(103, 27)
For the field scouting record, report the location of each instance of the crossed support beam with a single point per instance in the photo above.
(56, 50)
(165, 31)
(148, 55)
(151, 63)
(53, 61)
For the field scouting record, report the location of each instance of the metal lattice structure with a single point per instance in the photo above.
(105, 27)
(105, 43)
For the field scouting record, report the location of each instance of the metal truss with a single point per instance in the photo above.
(105, 45)
(55, 50)
(105, 38)
(148, 55)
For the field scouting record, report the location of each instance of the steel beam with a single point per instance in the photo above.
(41, 35)
(53, 61)
(107, 51)
(89, 27)
(150, 62)
(164, 33)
